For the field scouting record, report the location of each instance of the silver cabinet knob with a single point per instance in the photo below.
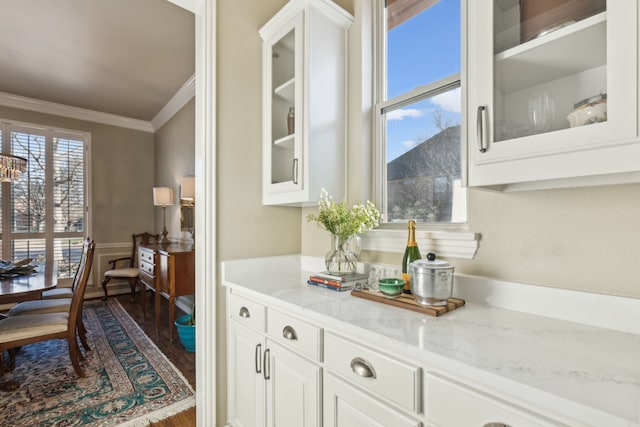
(362, 368)
(244, 312)
(289, 333)
(496, 425)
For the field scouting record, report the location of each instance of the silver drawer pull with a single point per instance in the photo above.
(496, 425)
(266, 370)
(244, 312)
(362, 368)
(289, 333)
(257, 358)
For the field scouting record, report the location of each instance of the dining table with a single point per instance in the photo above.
(18, 288)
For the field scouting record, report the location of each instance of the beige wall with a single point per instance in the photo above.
(121, 178)
(174, 159)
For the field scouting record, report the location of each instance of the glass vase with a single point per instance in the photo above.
(343, 256)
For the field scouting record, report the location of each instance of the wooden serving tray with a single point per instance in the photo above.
(408, 302)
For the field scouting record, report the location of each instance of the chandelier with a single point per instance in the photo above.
(11, 167)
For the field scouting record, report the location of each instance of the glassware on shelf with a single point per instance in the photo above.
(541, 112)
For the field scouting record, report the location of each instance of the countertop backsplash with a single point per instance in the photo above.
(604, 311)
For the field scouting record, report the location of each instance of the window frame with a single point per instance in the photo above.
(7, 235)
(446, 239)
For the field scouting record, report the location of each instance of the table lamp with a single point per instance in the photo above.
(163, 196)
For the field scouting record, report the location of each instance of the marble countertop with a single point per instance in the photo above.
(590, 369)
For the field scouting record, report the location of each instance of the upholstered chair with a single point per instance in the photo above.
(60, 305)
(128, 265)
(18, 331)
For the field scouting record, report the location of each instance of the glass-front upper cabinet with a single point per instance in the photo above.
(547, 78)
(304, 102)
(283, 101)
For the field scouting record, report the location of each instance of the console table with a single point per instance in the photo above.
(169, 271)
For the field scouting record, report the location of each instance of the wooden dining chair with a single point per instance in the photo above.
(65, 293)
(18, 331)
(60, 305)
(129, 265)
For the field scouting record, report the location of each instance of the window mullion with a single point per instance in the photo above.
(49, 170)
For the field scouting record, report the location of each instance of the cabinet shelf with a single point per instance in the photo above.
(570, 50)
(285, 142)
(286, 91)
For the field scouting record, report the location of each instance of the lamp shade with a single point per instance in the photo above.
(162, 196)
(188, 189)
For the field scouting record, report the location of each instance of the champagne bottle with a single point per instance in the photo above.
(411, 253)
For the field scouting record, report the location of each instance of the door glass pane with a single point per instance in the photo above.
(28, 248)
(28, 202)
(283, 108)
(550, 66)
(68, 185)
(67, 252)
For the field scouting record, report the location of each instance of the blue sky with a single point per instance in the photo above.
(422, 50)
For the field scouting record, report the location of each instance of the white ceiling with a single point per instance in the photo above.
(122, 57)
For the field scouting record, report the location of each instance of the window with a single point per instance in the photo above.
(418, 115)
(44, 215)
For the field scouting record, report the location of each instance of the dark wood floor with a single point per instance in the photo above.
(184, 361)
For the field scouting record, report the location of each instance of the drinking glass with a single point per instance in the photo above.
(541, 111)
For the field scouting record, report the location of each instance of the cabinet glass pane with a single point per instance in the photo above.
(283, 108)
(550, 66)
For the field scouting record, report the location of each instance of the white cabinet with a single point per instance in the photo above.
(271, 384)
(293, 389)
(304, 75)
(447, 398)
(246, 388)
(385, 390)
(348, 406)
(522, 92)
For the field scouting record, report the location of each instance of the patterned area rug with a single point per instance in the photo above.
(129, 381)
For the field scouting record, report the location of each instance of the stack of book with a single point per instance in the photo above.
(337, 281)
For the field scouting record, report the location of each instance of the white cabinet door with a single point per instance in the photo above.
(347, 406)
(245, 383)
(293, 389)
(524, 95)
(282, 80)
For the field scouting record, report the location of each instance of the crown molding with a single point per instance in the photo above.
(182, 96)
(46, 107)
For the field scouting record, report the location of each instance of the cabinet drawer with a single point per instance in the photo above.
(247, 312)
(145, 256)
(295, 333)
(396, 381)
(147, 280)
(452, 404)
(146, 268)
